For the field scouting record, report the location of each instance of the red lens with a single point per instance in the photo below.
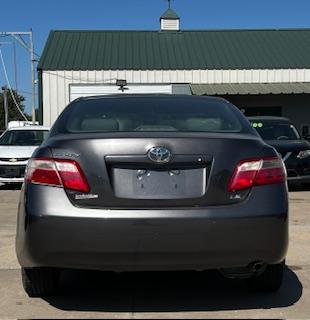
(57, 172)
(42, 171)
(72, 176)
(244, 175)
(257, 172)
(272, 172)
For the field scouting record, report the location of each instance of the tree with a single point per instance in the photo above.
(13, 112)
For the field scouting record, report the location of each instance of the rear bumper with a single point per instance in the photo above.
(52, 232)
(298, 170)
(299, 179)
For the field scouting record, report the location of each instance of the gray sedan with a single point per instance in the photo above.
(153, 182)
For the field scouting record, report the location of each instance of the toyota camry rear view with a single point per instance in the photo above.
(153, 183)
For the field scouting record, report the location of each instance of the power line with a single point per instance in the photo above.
(30, 49)
(26, 45)
(14, 63)
(10, 88)
(79, 79)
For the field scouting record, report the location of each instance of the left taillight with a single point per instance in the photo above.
(58, 173)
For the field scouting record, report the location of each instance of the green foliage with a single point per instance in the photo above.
(13, 112)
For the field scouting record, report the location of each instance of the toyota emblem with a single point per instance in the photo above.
(159, 155)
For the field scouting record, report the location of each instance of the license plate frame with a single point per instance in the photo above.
(12, 172)
(159, 184)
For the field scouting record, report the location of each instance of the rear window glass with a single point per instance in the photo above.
(23, 137)
(156, 115)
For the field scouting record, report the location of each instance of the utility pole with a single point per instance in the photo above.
(5, 106)
(33, 78)
(30, 49)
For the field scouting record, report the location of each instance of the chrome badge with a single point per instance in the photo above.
(13, 160)
(160, 155)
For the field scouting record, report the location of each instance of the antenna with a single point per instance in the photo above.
(169, 2)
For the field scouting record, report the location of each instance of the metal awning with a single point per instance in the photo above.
(250, 88)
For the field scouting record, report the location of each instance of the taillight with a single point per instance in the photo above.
(57, 172)
(257, 172)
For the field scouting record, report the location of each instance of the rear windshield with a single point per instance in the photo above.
(275, 131)
(23, 137)
(154, 115)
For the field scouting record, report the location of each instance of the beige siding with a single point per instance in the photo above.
(56, 84)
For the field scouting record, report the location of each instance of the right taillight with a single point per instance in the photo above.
(57, 172)
(257, 172)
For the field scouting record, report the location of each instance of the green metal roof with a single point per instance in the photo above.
(184, 50)
(170, 15)
(250, 88)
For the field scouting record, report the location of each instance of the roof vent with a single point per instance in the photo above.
(170, 21)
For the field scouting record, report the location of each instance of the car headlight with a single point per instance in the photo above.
(303, 154)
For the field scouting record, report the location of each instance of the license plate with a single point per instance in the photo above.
(12, 172)
(159, 184)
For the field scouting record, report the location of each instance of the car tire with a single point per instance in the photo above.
(40, 282)
(270, 280)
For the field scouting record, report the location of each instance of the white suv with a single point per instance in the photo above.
(16, 147)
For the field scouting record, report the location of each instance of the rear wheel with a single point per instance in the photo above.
(270, 280)
(40, 282)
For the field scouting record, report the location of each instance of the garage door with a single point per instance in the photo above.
(77, 91)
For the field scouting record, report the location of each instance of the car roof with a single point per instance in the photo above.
(151, 96)
(269, 118)
(30, 128)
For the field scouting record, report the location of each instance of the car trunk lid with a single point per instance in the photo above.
(121, 174)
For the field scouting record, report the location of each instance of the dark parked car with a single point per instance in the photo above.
(284, 137)
(153, 182)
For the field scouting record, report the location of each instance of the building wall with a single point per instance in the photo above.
(294, 107)
(56, 84)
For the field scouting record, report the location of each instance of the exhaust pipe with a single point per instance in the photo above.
(257, 267)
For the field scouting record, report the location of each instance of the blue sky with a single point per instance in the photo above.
(44, 15)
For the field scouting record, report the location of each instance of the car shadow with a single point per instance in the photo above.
(11, 186)
(298, 187)
(167, 292)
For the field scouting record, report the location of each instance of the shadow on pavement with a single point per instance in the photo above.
(11, 186)
(167, 292)
(299, 188)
